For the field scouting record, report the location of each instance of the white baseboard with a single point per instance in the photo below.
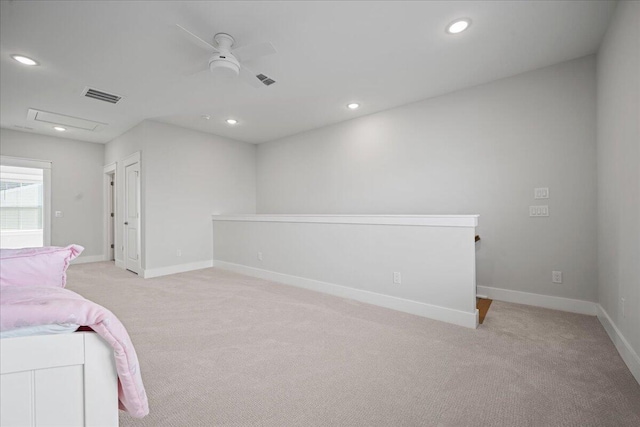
(174, 269)
(457, 317)
(87, 259)
(545, 301)
(627, 353)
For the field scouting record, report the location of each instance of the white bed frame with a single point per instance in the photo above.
(62, 380)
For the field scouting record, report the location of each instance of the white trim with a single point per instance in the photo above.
(130, 160)
(174, 269)
(449, 315)
(45, 165)
(538, 300)
(87, 259)
(108, 170)
(25, 163)
(423, 220)
(627, 352)
(46, 214)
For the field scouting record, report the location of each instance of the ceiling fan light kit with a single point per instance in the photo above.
(224, 65)
(226, 59)
(223, 62)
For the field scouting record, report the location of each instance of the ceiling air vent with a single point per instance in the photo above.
(101, 96)
(267, 81)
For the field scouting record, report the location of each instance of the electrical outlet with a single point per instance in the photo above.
(59, 214)
(397, 278)
(556, 276)
(539, 210)
(541, 193)
(178, 252)
(259, 256)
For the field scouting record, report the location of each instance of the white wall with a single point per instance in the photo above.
(186, 176)
(619, 173)
(477, 151)
(76, 185)
(436, 263)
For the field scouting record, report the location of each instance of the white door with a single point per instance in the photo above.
(111, 224)
(132, 217)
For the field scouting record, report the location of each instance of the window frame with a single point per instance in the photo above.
(45, 165)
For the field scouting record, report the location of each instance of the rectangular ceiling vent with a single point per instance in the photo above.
(267, 81)
(101, 96)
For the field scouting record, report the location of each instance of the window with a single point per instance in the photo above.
(24, 203)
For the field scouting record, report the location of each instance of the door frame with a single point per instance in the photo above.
(128, 161)
(110, 170)
(45, 165)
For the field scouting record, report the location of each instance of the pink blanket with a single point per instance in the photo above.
(35, 305)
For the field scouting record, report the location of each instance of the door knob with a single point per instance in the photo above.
(126, 223)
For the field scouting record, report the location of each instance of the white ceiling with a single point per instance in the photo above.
(380, 54)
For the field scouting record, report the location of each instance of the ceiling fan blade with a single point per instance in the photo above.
(198, 41)
(246, 53)
(250, 77)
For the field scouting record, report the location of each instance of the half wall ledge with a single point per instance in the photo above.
(424, 220)
(419, 264)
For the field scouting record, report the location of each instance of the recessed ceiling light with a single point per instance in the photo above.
(59, 128)
(458, 26)
(232, 121)
(353, 105)
(206, 117)
(24, 60)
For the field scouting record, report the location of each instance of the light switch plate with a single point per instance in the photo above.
(541, 193)
(397, 278)
(542, 210)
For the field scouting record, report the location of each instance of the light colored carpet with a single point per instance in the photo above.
(218, 348)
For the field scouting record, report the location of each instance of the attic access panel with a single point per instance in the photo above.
(63, 120)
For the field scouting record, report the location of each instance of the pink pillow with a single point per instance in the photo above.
(37, 266)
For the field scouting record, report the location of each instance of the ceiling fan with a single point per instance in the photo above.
(229, 60)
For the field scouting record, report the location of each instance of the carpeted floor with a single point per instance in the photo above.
(218, 348)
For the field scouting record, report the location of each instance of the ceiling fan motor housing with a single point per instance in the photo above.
(225, 64)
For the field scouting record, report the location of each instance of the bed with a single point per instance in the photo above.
(49, 374)
(65, 380)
